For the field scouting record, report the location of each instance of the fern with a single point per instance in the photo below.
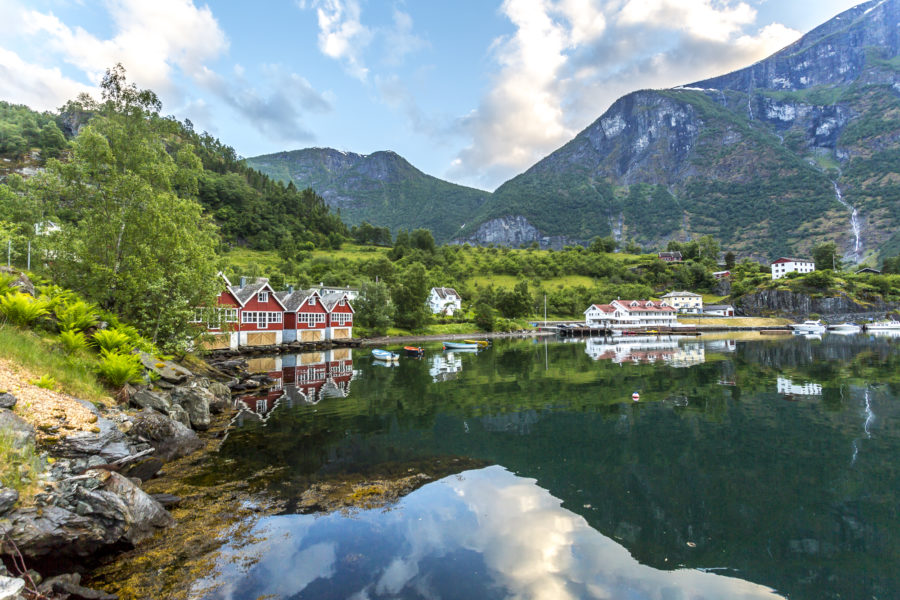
(6, 281)
(22, 309)
(112, 340)
(46, 381)
(56, 296)
(119, 369)
(76, 316)
(73, 341)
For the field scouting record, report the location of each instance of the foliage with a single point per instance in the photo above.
(73, 340)
(484, 316)
(76, 316)
(46, 381)
(111, 340)
(409, 297)
(18, 465)
(826, 256)
(119, 369)
(374, 310)
(22, 309)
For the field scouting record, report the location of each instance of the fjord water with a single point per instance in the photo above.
(752, 468)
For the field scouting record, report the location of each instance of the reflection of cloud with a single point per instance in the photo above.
(568, 60)
(530, 547)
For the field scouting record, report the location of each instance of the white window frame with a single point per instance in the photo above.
(262, 297)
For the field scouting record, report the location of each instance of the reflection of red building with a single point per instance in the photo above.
(300, 378)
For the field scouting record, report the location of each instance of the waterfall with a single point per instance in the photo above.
(854, 221)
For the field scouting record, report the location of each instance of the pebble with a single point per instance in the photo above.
(7, 400)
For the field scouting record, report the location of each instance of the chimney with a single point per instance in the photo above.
(291, 289)
(243, 282)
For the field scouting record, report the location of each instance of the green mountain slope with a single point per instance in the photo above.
(381, 188)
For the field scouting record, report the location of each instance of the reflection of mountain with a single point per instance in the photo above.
(789, 388)
(646, 349)
(481, 534)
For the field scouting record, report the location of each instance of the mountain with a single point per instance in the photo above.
(799, 148)
(381, 188)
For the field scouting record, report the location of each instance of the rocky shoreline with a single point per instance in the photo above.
(89, 499)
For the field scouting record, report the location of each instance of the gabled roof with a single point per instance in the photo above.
(445, 293)
(645, 305)
(244, 294)
(606, 308)
(784, 259)
(291, 301)
(329, 301)
(718, 307)
(675, 254)
(682, 294)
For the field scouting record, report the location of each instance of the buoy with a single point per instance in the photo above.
(635, 396)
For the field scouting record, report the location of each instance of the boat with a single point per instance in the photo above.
(414, 351)
(481, 343)
(890, 325)
(844, 328)
(808, 326)
(460, 346)
(385, 363)
(385, 355)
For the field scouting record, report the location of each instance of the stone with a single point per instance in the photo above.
(22, 432)
(107, 444)
(10, 587)
(144, 469)
(167, 500)
(195, 400)
(178, 413)
(22, 283)
(147, 515)
(7, 400)
(221, 397)
(8, 499)
(165, 369)
(169, 438)
(156, 400)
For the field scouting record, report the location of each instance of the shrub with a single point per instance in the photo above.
(22, 309)
(112, 340)
(6, 281)
(119, 369)
(72, 340)
(76, 316)
(55, 295)
(46, 381)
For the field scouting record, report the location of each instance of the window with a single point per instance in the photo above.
(263, 296)
(342, 302)
(341, 318)
(229, 315)
(312, 301)
(311, 318)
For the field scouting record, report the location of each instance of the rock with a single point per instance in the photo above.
(167, 500)
(22, 432)
(178, 413)
(8, 499)
(10, 587)
(144, 469)
(77, 592)
(171, 439)
(155, 400)
(7, 400)
(166, 369)
(97, 447)
(222, 397)
(22, 283)
(195, 400)
(113, 510)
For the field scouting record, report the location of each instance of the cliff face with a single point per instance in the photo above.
(770, 159)
(381, 188)
(767, 302)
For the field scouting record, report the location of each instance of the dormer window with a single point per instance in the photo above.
(312, 300)
(263, 297)
(342, 302)
(634, 304)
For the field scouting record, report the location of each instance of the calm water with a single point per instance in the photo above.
(758, 468)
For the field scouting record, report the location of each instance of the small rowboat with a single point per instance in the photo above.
(460, 346)
(385, 355)
(481, 343)
(414, 351)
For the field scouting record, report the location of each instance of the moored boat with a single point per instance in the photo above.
(460, 346)
(808, 326)
(481, 343)
(844, 328)
(414, 351)
(889, 325)
(385, 355)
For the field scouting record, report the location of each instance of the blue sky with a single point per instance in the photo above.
(473, 91)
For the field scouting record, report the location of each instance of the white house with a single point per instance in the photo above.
(785, 265)
(444, 301)
(623, 314)
(685, 302)
(719, 310)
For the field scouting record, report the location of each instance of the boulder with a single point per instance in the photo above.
(178, 413)
(156, 400)
(93, 511)
(144, 469)
(195, 400)
(169, 438)
(165, 369)
(8, 499)
(106, 443)
(221, 397)
(10, 587)
(22, 282)
(7, 400)
(22, 432)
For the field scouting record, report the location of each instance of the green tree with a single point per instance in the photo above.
(602, 244)
(515, 303)
(826, 256)
(374, 310)
(136, 241)
(409, 296)
(52, 140)
(729, 260)
(484, 316)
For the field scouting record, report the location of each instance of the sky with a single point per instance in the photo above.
(472, 91)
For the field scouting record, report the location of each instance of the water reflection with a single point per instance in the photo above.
(649, 349)
(788, 388)
(481, 534)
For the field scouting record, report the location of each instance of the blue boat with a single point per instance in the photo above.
(385, 355)
(460, 346)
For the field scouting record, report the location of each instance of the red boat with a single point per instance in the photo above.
(414, 351)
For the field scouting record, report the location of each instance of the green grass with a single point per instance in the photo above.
(713, 299)
(508, 282)
(74, 373)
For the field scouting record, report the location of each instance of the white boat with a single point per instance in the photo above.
(808, 327)
(884, 326)
(844, 328)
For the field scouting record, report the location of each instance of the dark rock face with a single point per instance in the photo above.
(7, 401)
(785, 302)
(170, 439)
(108, 443)
(221, 396)
(195, 400)
(157, 401)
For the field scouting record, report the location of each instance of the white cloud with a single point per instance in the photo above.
(341, 34)
(400, 40)
(35, 86)
(568, 60)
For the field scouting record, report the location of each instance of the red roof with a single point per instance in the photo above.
(784, 259)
